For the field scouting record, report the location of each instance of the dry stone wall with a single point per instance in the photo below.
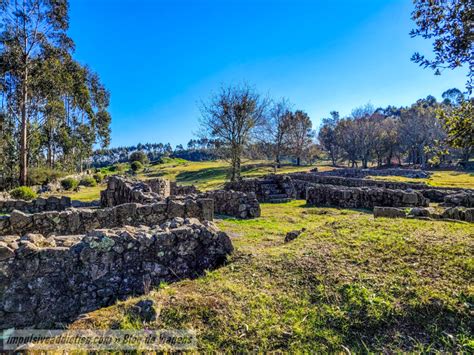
(160, 186)
(79, 221)
(361, 173)
(362, 197)
(120, 191)
(48, 281)
(234, 203)
(454, 213)
(271, 188)
(182, 190)
(433, 194)
(51, 203)
(464, 198)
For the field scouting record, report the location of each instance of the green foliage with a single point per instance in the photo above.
(139, 156)
(69, 183)
(88, 181)
(43, 176)
(136, 166)
(459, 124)
(98, 177)
(448, 25)
(23, 193)
(118, 168)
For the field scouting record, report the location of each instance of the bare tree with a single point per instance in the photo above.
(231, 117)
(275, 132)
(300, 134)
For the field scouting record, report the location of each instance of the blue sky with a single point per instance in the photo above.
(160, 58)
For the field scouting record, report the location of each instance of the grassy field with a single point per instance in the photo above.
(212, 175)
(348, 283)
(439, 178)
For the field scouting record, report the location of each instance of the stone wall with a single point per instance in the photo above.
(361, 173)
(267, 189)
(464, 198)
(51, 203)
(362, 197)
(234, 203)
(79, 221)
(120, 190)
(182, 190)
(455, 213)
(433, 194)
(48, 281)
(160, 186)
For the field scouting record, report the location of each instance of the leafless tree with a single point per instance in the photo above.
(231, 118)
(300, 134)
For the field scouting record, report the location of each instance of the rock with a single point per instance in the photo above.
(389, 212)
(144, 310)
(5, 251)
(293, 235)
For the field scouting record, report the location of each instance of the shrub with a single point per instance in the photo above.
(118, 168)
(23, 193)
(136, 166)
(69, 183)
(43, 176)
(98, 177)
(88, 181)
(139, 156)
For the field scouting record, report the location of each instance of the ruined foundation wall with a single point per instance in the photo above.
(362, 197)
(45, 281)
(78, 221)
(234, 203)
(51, 203)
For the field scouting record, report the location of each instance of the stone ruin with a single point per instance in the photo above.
(362, 173)
(58, 261)
(330, 190)
(48, 281)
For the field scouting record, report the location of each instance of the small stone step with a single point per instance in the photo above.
(277, 196)
(279, 200)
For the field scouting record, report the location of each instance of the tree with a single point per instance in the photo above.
(458, 122)
(300, 134)
(275, 131)
(31, 29)
(139, 156)
(327, 136)
(449, 24)
(231, 117)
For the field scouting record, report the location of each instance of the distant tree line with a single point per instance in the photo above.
(419, 134)
(196, 150)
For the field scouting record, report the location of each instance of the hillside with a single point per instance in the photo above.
(348, 283)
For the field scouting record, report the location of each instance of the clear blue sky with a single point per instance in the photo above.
(159, 58)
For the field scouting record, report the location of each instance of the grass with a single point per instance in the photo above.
(210, 174)
(348, 283)
(85, 194)
(438, 178)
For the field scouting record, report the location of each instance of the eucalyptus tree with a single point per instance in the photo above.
(30, 29)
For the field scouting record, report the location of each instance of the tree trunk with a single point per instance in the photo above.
(298, 161)
(24, 131)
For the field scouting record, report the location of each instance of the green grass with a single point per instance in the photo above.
(439, 178)
(350, 282)
(85, 194)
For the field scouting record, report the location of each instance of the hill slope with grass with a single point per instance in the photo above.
(348, 283)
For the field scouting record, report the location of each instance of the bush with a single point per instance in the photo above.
(69, 183)
(139, 156)
(23, 193)
(98, 177)
(43, 176)
(136, 166)
(118, 168)
(88, 181)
